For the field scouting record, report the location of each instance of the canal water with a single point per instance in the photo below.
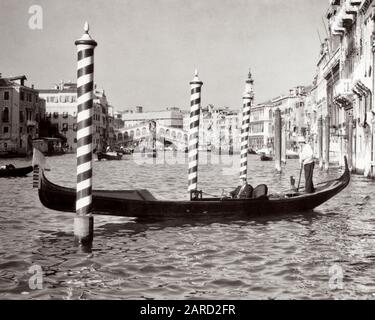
(325, 254)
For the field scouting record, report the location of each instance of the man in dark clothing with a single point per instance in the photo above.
(244, 191)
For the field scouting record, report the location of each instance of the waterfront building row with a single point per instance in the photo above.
(61, 111)
(21, 111)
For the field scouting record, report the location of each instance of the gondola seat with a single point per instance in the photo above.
(260, 191)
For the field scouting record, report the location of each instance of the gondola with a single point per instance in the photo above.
(264, 157)
(108, 156)
(142, 204)
(15, 172)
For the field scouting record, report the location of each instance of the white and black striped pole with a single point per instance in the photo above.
(247, 99)
(84, 222)
(195, 106)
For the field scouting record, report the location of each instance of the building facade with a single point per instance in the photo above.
(261, 126)
(171, 117)
(61, 111)
(342, 101)
(22, 111)
(293, 115)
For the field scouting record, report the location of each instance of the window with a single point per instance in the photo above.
(29, 114)
(48, 115)
(21, 129)
(6, 129)
(74, 127)
(29, 97)
(65, 127)
(6, 95)
(22, 116)
(65, 115)
(6, 115)
(55, 115)
(22, 96)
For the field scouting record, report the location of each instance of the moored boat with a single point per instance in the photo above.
(11, 171)
(108, 156)
(142, 204)
(265, 157)
(290, 154)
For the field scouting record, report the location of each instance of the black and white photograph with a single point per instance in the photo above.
(187, 150)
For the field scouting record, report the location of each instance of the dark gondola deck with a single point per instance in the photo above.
(141, 203)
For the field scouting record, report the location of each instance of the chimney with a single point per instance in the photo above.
(139, 109)
(32, 86)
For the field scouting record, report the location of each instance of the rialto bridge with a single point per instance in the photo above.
(168, 135)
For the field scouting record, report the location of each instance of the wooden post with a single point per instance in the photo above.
(283, 142)
(195, 107)
(230, 141)
(320, 141)
(327, 142)
(152, 130)
(84, 221)
(350, 142)
(278, 140)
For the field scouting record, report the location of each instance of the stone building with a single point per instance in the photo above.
(171, 117)
(344, 85)
(61, 111)
(21, 113)
(261, 126)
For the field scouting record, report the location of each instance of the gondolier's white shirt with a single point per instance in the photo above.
(306, 154)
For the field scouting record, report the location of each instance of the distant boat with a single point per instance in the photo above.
(108, 156)
(264, 157)
(290, 154)
(12, 171)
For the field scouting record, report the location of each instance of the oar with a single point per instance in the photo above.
(300, 173)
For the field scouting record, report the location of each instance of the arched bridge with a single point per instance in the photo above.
(176, 136)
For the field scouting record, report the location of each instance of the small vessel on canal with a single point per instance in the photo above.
(12, 171)
(108, 156)
(264, 157)
(142, 204)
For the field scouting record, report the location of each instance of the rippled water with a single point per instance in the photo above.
(292, 257)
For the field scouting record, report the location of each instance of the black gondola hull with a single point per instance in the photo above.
(139, 203)
(17, 172)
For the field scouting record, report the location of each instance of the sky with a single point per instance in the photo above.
(148, 49)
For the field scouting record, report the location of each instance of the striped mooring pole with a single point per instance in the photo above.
(84, 221)
(247, 99)
(195, 106)
(36, 173)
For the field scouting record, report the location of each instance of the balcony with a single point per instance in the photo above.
(345, 17)
(343, 87)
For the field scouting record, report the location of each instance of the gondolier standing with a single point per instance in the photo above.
(306, 160)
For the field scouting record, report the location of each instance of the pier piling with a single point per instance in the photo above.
(350, 142)
(283, 142)
(278, 140)
(320, 142)
(84, 221)
(327, 142)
